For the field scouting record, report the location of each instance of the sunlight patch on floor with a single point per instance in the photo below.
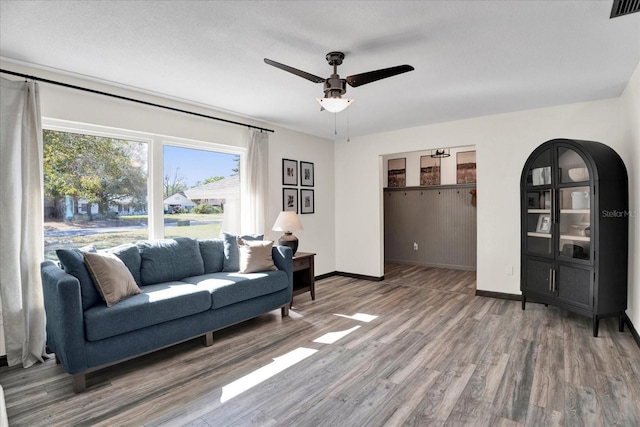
(285, 361)
(361, 317)
(260, 375)
(331, 337)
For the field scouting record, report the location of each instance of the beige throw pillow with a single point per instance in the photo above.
(255, 255)
(111, 277)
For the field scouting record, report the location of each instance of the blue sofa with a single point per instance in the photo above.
(189, 288)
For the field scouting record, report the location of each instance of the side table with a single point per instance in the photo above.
(303, 274)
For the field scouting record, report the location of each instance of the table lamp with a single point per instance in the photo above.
(288, 222)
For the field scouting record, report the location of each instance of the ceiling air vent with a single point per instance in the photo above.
(624, 7)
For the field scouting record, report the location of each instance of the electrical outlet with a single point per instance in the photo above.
(415, 246)
(509, 270)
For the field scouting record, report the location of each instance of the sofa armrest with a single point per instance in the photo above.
(283, 259)
(65, 318)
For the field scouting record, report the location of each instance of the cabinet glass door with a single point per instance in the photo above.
(540, 206)
(540, 171)
(571, 167)
(575, 222)
(539, 226)
(574, 200)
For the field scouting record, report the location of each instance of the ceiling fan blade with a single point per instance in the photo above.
(295, 71)
(372, 76)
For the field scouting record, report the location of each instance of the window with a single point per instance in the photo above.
(95, 191)
(201, 192)
(105, 187)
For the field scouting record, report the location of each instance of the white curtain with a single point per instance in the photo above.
(256, 183)
(21, 223)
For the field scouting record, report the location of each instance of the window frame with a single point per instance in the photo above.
(155, 160)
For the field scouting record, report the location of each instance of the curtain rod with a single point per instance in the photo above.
(39, 79)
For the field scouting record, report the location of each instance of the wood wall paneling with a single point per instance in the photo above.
(441, 220)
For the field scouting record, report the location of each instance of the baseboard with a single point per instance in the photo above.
(326, 275)
(433, 265)
(499, 295)
(360, 276)
(352, 275)
(3, 361)
(634, 333)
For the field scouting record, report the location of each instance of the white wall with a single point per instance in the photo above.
(448, 166)
(319, 227)
(503, 143)
(631, 134)
(77, 106)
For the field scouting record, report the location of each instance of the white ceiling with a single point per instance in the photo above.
(471, 58)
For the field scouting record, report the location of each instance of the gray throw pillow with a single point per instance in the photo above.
(165, 260)
(212, 251)
(72, 262)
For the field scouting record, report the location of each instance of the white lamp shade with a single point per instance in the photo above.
(287, 221)
(334, 105)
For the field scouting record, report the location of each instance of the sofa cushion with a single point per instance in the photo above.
(72, 263)
(157, 303)
(212, 251)
(167, 260)
(130, 255)
(231, 253)
(230, 288)
(255, 255)
(111, 277)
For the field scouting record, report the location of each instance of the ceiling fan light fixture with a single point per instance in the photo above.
(334, 105)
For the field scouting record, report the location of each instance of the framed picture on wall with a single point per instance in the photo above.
(397, 174)
(466, 167)
(290, 199)
(307, 204)
(289, 172)
(306, 174)
(429, 170)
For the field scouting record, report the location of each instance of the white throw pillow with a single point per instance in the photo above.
(255, 255)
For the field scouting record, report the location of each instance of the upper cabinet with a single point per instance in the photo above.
(575, 228)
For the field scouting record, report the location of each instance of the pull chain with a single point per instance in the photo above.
(348, 132)
(335, 123)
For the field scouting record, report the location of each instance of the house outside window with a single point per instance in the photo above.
(201, 192)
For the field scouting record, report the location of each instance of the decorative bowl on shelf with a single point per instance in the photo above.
(578, 174)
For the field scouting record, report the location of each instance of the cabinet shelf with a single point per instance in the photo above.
(543, 235)
(576, 238)
(575, 211)
(539, 211)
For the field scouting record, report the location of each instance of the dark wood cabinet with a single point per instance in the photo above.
(304, 274)
(574, 222)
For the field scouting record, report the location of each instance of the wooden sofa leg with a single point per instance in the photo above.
(208, 339)
(79, 383)
(285, 310)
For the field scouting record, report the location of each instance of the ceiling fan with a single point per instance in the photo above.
(334, 86)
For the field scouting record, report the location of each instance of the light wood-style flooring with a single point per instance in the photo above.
(434, 355)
